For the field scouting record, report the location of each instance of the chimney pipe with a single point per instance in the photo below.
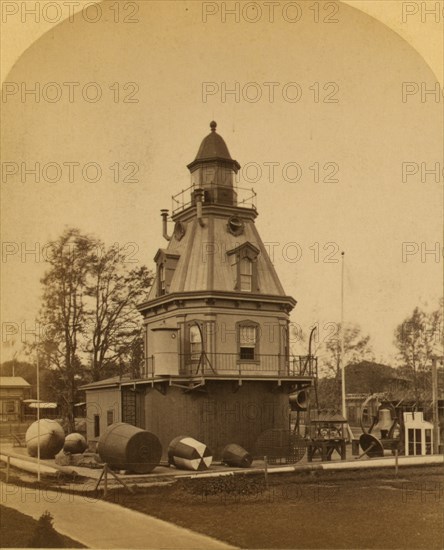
(199, 193)
(164, 214)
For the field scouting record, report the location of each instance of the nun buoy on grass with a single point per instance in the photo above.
(235, 455)
(75, 443)
(52, 438)
(126, 447)
(189, 454)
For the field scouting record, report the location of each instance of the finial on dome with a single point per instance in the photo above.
(213, 126)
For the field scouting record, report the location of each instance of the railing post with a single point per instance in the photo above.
(266, 472)
(105, 488)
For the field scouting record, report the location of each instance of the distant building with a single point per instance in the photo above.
(47, 409)
(218, 366)
(392, 385)
(14, 390)
(357, 410)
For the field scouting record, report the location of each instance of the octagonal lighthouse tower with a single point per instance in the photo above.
(217, 318)
(217, 307)
(217, 362)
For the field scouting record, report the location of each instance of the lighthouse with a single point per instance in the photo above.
(216, 322)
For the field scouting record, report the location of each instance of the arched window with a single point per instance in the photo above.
(195, 343)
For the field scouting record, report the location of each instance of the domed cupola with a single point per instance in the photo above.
(213, 170)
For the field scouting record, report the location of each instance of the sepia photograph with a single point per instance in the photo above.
(222, 283)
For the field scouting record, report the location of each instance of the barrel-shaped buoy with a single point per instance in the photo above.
(126, 447)
(189, 454)
(75, 443)
(50, 434)
(235, 455)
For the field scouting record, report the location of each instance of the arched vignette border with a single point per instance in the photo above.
(389, 23)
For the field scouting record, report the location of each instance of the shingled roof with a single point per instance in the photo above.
(213, 148)
(13, 382)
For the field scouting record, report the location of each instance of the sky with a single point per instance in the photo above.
(333, 116)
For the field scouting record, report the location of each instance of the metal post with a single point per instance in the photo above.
(8, 465)
(38, 419)
(342, 364)
(105, 490)
(435, 415)
(396, 462)
(266, 472)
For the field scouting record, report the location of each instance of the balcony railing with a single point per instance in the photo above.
(230, 364)
(244, 197)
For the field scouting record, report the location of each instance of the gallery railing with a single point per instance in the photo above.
(244, 197)
(233, 364)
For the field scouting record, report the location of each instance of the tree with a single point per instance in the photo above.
(356, 348)
(63, 314)
(114, 290)
(89, 315)
(369, 377)
(418, 339)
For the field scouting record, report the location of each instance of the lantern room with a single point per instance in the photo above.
(213, 171)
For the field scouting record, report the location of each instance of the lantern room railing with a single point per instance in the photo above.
(232, 365)
(244, 197)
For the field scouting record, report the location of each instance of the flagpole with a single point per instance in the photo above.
(38, 419)
(344, 410)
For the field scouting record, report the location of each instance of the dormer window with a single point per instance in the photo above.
(246, 275)
(162, 286)
(243, 261)
(166, 266)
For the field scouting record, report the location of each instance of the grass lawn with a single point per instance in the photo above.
(17, 529)
(329, 510)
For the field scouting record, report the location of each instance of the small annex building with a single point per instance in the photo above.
(217, 359)
(14, 390)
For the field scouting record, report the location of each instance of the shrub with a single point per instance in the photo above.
(45, 536)
(234, 485)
